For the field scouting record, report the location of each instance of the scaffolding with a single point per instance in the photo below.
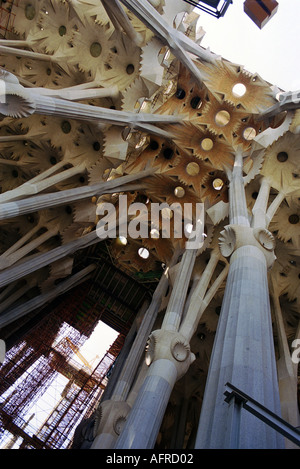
(32, 366)
(7, 18)
(79, 399)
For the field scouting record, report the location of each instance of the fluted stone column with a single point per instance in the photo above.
(15, 208)
(243, 355)
(243, 352)
(180, 45)
(16, 312)
(17, 101)
(168, 357)
(115, 410)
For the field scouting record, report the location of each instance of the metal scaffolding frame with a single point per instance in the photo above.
(31, 367)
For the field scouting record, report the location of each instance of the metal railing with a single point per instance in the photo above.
(242, 400)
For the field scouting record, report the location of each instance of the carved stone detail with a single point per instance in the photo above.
(180, 349)
(171, 346)
(15, 101)
(150, 349)
(227, 241)
(235, 236)
(119, 424)
(110, 417)
(265, 238)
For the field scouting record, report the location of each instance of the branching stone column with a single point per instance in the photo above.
(199, 298)
(287, 371)
(16, 312)
(113, 412)
(16, 207)
(120, 20)
(179, 44)
(17, 101)
(243, 352)
(169, 357)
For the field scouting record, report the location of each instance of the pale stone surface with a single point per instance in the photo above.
(243, 356)
(94, 93)
(168, 357)
(243, 353)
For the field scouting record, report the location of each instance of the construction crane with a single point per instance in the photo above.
(79, 355)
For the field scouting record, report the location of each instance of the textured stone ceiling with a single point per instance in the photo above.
(56, 45)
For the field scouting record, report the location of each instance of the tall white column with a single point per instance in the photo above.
(243, 352)
(113, 412)
(168, 357)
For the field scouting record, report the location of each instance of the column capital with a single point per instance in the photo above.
(234, 237)
(172, 346)
(110, 417)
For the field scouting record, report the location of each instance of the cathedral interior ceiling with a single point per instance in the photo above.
(205, 109)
